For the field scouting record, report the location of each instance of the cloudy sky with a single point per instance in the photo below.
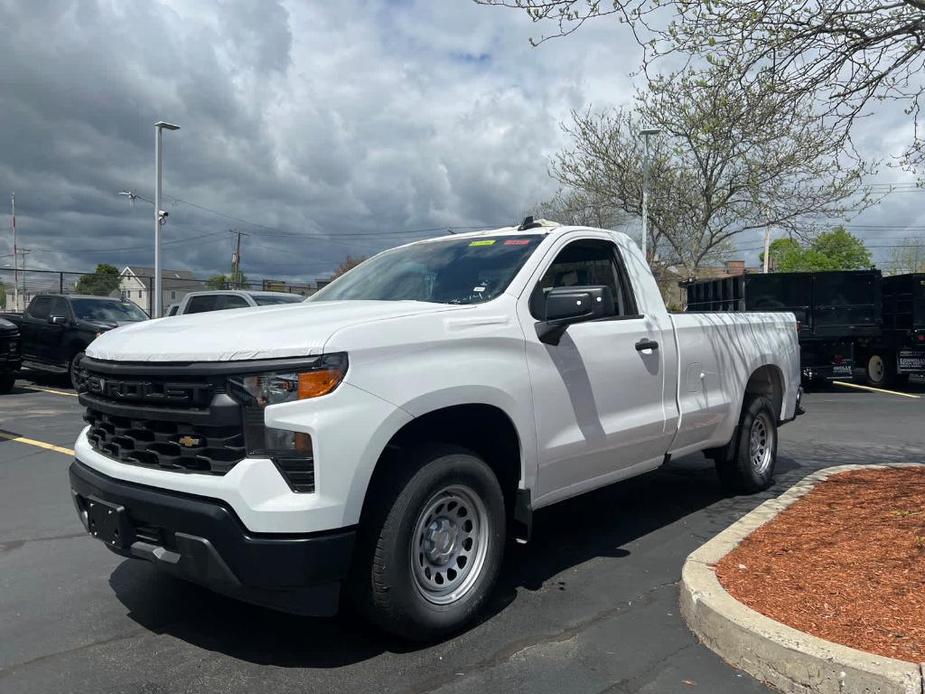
(320, 129)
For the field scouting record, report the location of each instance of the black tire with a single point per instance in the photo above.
(7, 381)
(71, 368)
(880, 370)
(387, 586)
(738, 467)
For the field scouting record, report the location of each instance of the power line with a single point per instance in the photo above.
(314, 235)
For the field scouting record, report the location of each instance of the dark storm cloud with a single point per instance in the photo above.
(322, 124)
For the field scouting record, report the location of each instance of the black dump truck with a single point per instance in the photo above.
(10, 355)
(834, 310)
(899, 349)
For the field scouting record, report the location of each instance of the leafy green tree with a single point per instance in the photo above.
(784, 253)
(101, 282)
(233, 280)
(216, 282)
(837, 249)
(2, 295)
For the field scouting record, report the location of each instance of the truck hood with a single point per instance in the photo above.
(271, 332)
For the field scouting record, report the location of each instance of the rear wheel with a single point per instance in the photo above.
(881, 371)
(431, 549)
(748, 463)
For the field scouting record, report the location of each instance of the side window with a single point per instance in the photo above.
(201, 304)
(230, 301)
(58, 307)
(593, 262)
(40, 307)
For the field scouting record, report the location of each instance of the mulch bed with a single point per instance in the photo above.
(845, 562)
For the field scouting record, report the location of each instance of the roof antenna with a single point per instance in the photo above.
(528, 223)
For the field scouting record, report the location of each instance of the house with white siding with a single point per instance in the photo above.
(137, 280)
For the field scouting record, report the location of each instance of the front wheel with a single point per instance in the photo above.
(72, 367)
(431, 550)
(749, 467)
(7, 381)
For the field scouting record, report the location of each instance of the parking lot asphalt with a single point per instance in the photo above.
(589, 605)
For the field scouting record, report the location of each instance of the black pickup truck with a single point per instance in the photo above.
(55, 329)
(10, 357)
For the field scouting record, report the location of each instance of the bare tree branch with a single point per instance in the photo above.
(730, 159)
(844, 55)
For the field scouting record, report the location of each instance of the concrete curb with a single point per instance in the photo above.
(771, 652)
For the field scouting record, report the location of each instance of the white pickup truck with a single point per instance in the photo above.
(392, 433)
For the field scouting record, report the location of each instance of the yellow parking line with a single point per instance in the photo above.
(50, 390)
(876, 390)
(38, 444)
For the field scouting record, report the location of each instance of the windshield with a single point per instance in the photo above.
(264, 300)
(109, 311)
(460, 271)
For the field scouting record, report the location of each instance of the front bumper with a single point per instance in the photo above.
(202, 540)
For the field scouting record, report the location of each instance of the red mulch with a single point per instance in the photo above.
(846, 563)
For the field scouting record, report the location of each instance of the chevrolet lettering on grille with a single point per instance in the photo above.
(145, 390)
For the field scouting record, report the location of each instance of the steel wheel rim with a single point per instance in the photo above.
(761, 443)
(875, 368)
(449, 544)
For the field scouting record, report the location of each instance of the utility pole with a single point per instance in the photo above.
(236, 258)
(767, 248)
(24, 252)
(646, 134)
(15, 254)
(159, 215)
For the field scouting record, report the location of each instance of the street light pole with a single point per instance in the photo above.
(646, 133)
(159, 215)
(15, 255)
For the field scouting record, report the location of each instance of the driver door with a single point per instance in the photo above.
(598, 399)
(52, 335)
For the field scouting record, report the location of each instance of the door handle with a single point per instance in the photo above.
(645, 343)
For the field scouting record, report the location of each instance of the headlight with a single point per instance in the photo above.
(276, 387)
(291, 451)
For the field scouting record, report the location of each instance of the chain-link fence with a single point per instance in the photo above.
(18, 287)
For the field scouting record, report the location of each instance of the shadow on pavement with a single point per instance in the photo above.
(597, 524)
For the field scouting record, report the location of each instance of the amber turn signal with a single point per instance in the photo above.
(320, 382)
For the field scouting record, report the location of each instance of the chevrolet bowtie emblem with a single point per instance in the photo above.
(190, 441)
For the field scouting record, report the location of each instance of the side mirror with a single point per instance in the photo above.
(563, 306)
(57, 320)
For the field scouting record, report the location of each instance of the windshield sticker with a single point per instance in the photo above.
(483, 242)
(479, 289)
(517, 242)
